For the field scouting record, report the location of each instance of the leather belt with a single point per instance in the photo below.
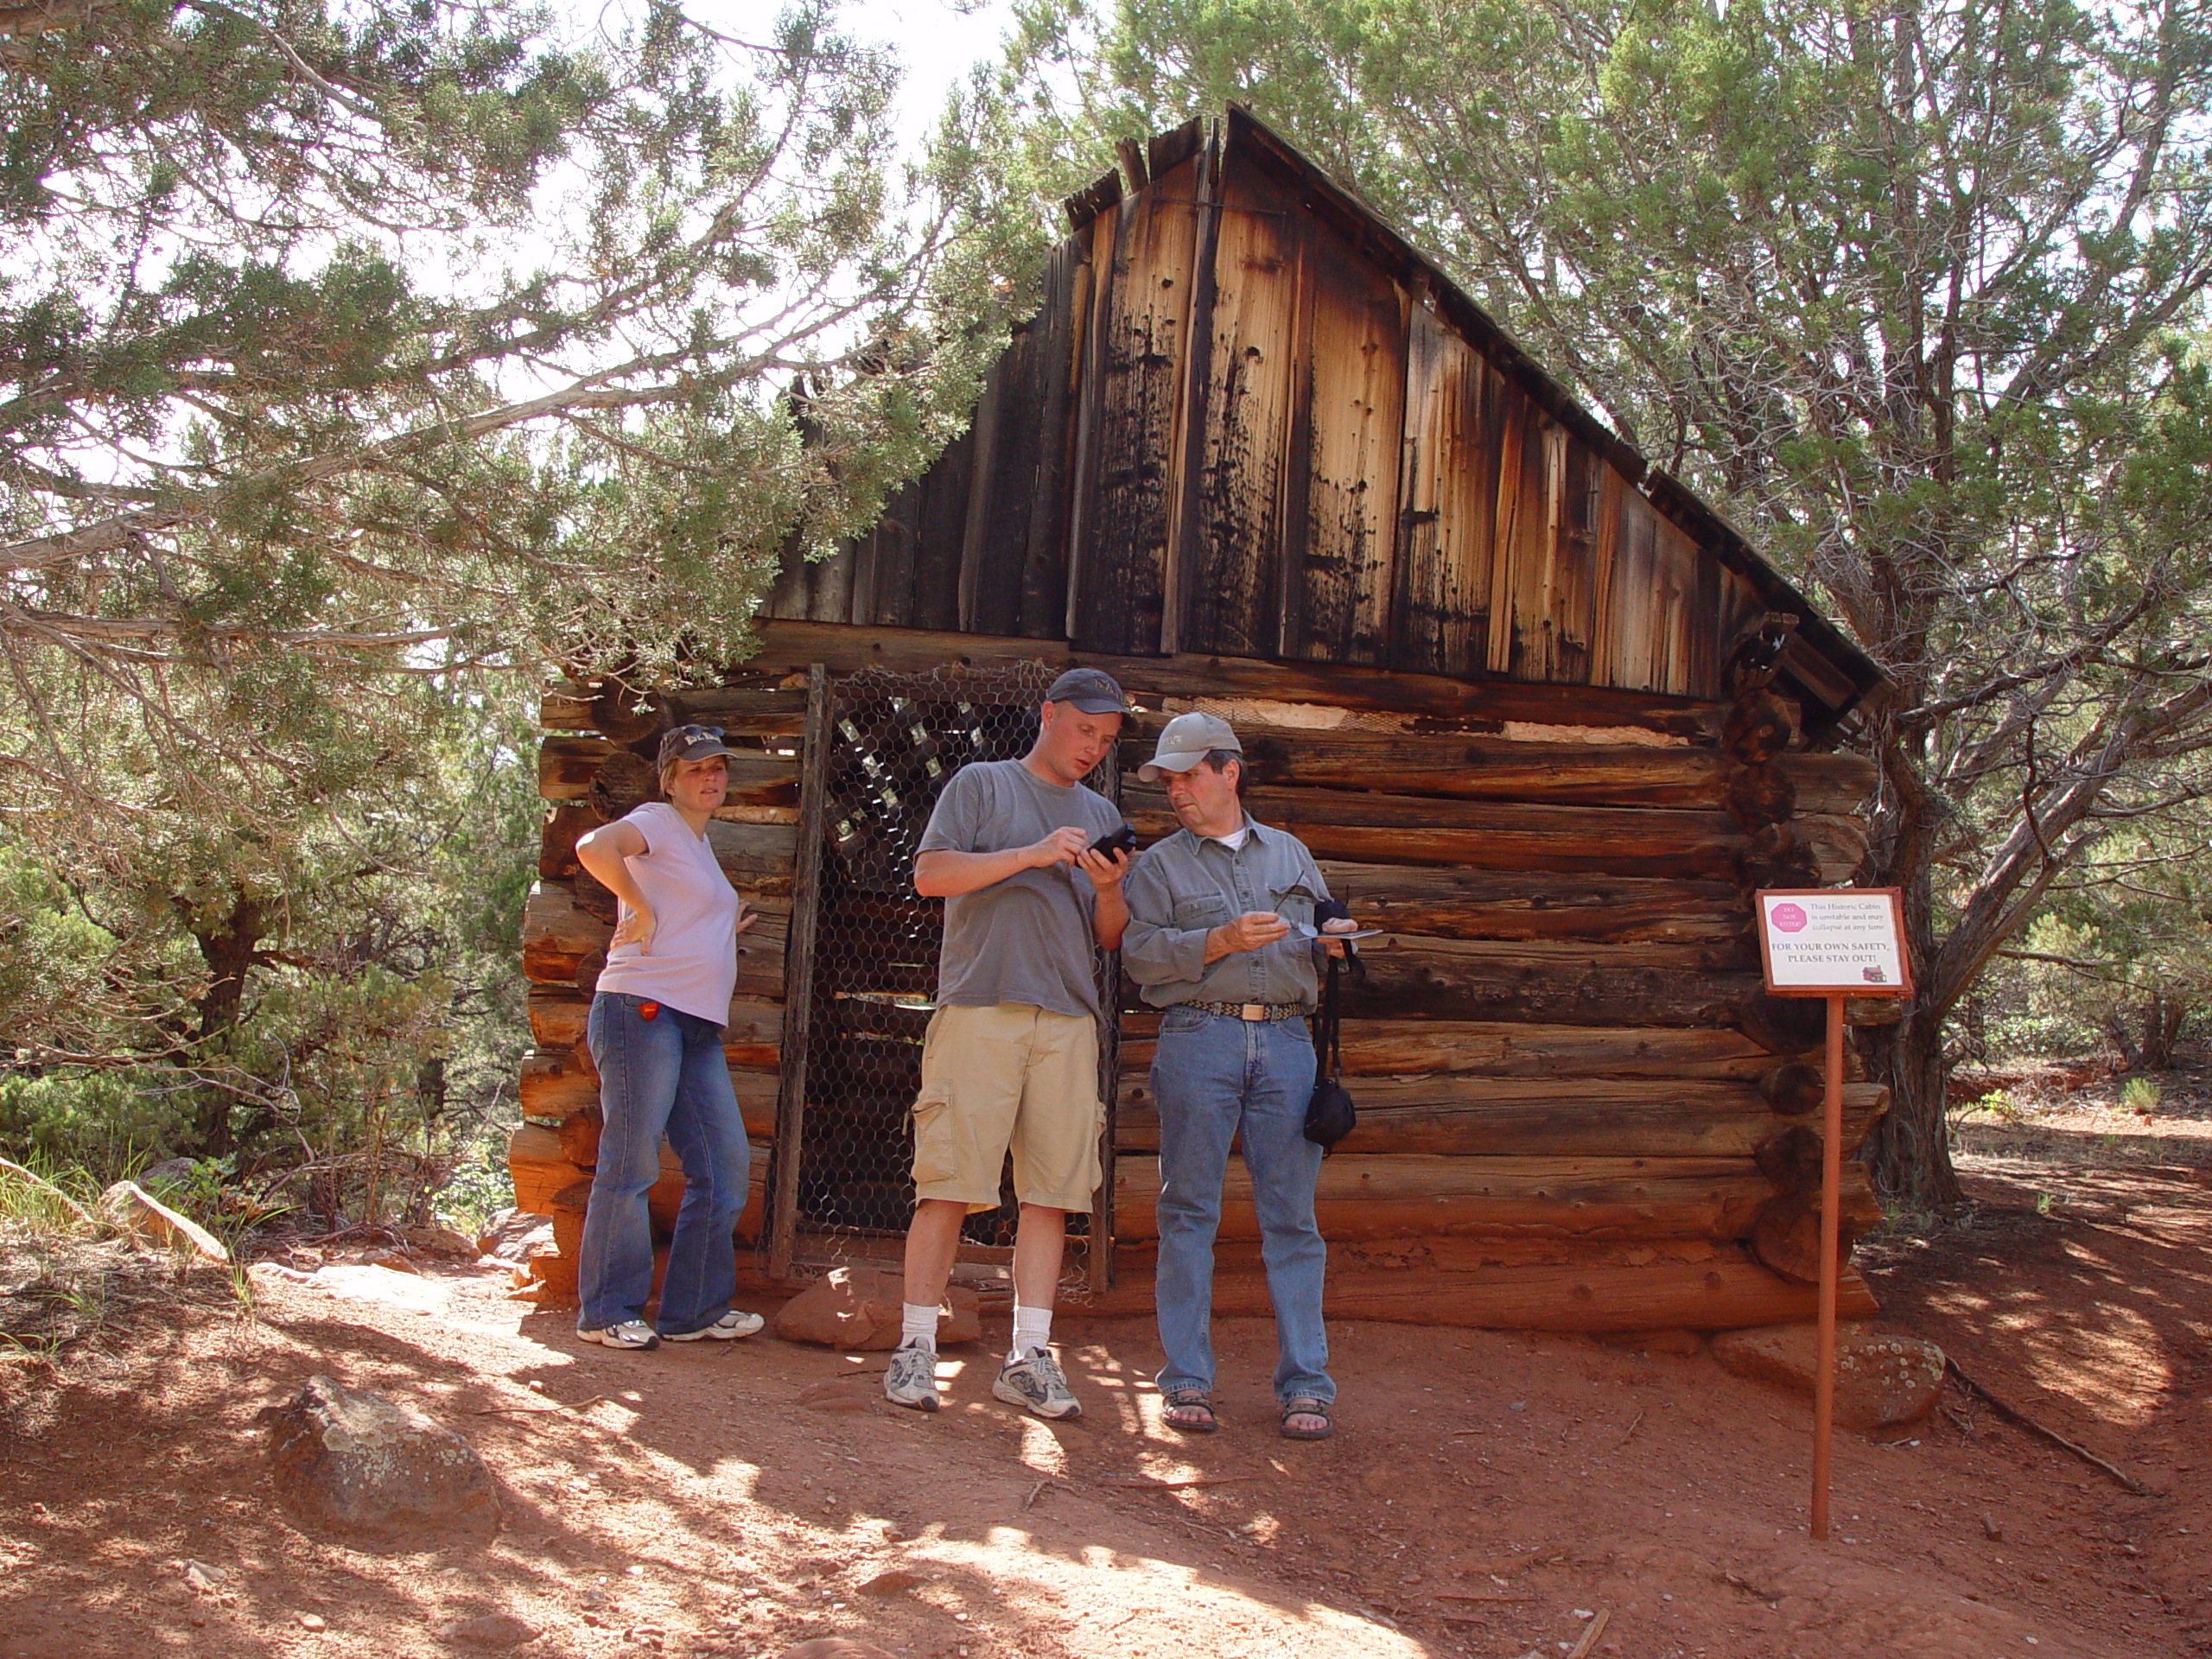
(1254, 1012)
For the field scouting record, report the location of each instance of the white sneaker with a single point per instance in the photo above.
(728, 1328)
(628, 1333)
(1039, 1384)
(911, 1379)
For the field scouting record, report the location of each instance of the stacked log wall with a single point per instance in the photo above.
(1564, 1060)
(1577, 1109)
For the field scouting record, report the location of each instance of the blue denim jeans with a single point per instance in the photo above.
(1218, 1079)
(661, 1077)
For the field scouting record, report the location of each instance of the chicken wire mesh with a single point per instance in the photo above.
(887, 744)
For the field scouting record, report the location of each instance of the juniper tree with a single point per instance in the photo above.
(350, 353)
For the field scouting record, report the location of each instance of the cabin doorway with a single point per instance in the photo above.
(861, 967)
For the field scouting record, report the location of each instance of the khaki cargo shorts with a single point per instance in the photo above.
(1011, 1077)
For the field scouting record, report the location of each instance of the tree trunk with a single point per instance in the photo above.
(2123, 1038)
(1910, 1148)
(2162, 1020)
(228, 945)
(1910, 1152)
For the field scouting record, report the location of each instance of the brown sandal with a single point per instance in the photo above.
(1190, 1400)
(1306, 1406)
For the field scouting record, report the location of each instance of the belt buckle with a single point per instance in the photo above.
(1253, 1011)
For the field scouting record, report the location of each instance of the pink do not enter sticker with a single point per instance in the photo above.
(1788, 918)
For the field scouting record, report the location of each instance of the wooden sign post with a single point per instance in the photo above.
(1833, 942)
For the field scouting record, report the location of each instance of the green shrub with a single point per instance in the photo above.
(101, 1122)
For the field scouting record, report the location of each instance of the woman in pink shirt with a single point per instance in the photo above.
(656, 1034)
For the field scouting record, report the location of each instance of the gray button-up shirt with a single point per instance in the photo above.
(1187, 884)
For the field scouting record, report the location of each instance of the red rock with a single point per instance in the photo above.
(491, 1630)
(1880, 1380)
(861, 1308)
(359, 1462)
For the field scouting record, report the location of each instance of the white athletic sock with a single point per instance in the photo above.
(1033, 1329)
(918, 1323)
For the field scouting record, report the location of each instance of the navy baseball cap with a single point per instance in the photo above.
(692, 743)
(1091, 690)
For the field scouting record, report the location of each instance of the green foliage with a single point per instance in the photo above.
(373, 988)
(100, 1122)
(46, 1198)
(2122, 951)
(411, 338)
(2000, 1105)
(479, 1186)
(365, 363)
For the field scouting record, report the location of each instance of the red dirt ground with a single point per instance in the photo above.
(1487, 1493)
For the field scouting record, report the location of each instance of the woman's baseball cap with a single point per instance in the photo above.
(691, 743)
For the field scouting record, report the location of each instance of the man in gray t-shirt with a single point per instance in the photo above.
(1011, 1059)
(1028, 937)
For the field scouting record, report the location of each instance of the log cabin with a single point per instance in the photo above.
(1543, 715)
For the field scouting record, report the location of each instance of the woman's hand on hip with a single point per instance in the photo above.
(745, 917)
(635, 928)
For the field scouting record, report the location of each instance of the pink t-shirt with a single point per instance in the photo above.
(692, 963)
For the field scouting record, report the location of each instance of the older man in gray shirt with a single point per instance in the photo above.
(1221, 937)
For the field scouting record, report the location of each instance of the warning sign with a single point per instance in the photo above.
(1828, 941)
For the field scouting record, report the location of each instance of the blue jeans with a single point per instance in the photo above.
(663, 1076)
(1218, 1079)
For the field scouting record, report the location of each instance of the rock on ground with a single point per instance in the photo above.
(511, 1235)
(361, 1463)
(1880, 1380)
(439, 1240)
(491, 1630)
(136, 1212)
(835, 1647)
(862, 1308)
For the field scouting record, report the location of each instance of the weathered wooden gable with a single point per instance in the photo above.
(1250, 421)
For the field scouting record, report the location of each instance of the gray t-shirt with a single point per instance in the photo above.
(1027, 938)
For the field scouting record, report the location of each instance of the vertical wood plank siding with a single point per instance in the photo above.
(1450, 473)
(1231, 581)
(1143, 312)
(942, 532)
(1248, 422)
(995, 528)
(1339, 609)
(1044, 572)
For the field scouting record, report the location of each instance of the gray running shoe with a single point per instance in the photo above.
(629, 1333)
(732, 1325)
(911, 1379)
(1038, 1383)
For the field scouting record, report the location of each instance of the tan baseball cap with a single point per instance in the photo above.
(1185, 740)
